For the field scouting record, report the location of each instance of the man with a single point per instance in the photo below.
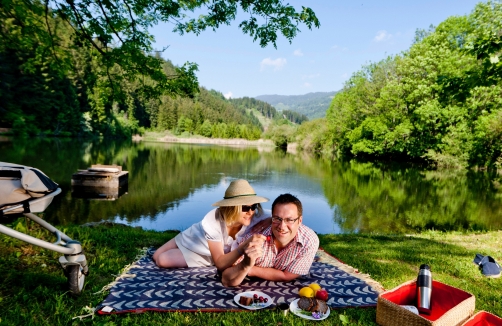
(288, 252)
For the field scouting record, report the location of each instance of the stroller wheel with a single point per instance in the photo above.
(76, 278)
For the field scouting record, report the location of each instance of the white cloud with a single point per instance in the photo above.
(307, 85)
(277, 63)
(228, 95)
(298, 53)
(382, 36)
(345, 75)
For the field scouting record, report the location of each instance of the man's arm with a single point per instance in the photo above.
(233, 276)
(272, 274)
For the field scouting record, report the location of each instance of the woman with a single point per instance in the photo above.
(208, 242)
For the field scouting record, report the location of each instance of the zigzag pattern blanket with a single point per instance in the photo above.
(149, 287)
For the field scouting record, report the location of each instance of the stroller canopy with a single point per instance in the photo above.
(20, 186)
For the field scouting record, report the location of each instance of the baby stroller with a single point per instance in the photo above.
(26, 190)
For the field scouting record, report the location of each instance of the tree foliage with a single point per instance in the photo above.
(268, 110)
(87, 66)
(281, 132)
(263, 107)
(119, 31)
(208, 114)
(294, 117)
(440, 101)
(312, 105)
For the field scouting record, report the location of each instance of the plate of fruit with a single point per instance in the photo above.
(253, 300)
(312, 303)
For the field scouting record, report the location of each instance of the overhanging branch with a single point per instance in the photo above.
(80, 21)
(108, 21)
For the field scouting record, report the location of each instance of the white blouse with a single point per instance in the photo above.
(213, 228)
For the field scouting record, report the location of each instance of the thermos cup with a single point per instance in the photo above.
(424, 289)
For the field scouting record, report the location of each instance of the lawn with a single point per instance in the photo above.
(33, 289)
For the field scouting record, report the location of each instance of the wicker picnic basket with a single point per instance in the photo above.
(456, 306)
(484, 318)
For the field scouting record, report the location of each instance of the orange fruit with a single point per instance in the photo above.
(306, 292)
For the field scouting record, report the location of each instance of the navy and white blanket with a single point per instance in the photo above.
(200, 289)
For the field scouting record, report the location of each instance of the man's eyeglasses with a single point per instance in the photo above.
(246, 208)
(288, 221)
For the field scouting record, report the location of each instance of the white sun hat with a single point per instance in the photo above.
(239, 192)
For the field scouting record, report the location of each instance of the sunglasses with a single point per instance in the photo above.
(246, 208)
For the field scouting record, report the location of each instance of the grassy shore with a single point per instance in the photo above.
(33, 288)
(187, 138)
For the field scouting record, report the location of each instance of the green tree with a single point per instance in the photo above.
(485, 41)
(314, 136)
(438, 102)
(219, 130)
(281, 133)
(86, 66)
(205, 128)
(119, 31)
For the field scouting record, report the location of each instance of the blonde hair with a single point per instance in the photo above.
(231, 214)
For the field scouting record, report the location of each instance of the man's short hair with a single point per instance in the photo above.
(288, 199)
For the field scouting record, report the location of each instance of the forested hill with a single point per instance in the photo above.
(312, 105)
(267, 110)
(71, 91)
(208, 114)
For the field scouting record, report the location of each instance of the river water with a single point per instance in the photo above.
(171, 186)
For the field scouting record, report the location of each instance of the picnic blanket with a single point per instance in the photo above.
(143, 286)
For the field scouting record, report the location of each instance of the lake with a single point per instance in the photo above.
(171, 186)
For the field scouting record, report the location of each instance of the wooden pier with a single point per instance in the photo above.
(102, 176)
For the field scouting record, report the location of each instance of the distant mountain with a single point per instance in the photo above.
(313, 105)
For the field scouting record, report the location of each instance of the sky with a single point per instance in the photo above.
(352, 34)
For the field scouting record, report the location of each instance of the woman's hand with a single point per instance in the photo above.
(256, 240)
(252, 249)
(251, 254)
(262, 225)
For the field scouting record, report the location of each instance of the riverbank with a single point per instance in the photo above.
(197, 139)
(167, 137)
(33, 290)
(263, 144)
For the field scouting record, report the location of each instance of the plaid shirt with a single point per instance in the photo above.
(296, 257)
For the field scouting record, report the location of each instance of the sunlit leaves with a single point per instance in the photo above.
(440, 101)
(119, 31)
(266, 19)
(88, 65)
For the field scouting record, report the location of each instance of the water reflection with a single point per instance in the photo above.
(317, 213)
(172, 186)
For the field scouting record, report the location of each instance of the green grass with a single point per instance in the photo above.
(33, 288)
(155, 135)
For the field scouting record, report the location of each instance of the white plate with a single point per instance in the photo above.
(253, 306)
(304, 314)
